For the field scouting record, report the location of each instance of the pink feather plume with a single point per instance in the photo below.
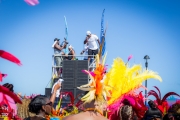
(92, 73)
(130, 57)
(32, 2)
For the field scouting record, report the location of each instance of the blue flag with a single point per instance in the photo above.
(66, 32)
(66, 28)
(102, 34)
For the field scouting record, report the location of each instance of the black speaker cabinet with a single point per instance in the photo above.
(48, 92)
(72, 73)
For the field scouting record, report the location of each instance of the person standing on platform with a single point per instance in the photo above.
(58, 51)
(92, 40)
(71, 54)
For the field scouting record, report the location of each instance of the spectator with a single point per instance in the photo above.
(92, 44)
(176, 110)
(169, 115)
(42, 106)
(153, 113)
(57, 92)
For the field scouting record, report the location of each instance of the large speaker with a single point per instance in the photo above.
(72, 73)
(48, 92)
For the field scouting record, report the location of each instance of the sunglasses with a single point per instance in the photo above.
(50, 104)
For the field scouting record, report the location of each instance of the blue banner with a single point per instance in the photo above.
(66, 32)
(102, 34)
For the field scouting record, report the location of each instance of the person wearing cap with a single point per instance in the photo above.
(58, 51)
(71, 54)
(92, 40)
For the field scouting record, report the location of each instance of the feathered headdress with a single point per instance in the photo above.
(124, 79)
(96, 87)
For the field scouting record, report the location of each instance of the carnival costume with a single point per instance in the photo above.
(8, 109)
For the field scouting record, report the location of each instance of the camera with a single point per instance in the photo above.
(64, 42)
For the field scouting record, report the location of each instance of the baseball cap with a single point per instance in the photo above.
(70, 46)
(56, 39)
(88, 33)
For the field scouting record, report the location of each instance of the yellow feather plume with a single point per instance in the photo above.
(124, 79)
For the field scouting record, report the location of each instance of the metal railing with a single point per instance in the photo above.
(91, 63)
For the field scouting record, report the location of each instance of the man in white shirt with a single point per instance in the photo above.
(92, 44)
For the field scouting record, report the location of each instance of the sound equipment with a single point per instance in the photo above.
(73, 77)
(72, 73)
(48, 92)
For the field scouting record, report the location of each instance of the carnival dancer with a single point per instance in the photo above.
(92, 40)
(58, 51)
(5, 111)
(125, 82)
(8, 100)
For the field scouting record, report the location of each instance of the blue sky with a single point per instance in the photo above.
(135, 27)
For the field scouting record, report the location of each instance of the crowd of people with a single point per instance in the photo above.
(40, 107)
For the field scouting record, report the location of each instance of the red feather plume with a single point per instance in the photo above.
(10, 57)
(2, 76)
(158, 91)
(70, 95)
(169, 94)
(154, 93)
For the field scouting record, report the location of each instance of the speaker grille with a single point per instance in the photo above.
(81, 81)
(72, 73)
(48, 92)
(68, 83)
